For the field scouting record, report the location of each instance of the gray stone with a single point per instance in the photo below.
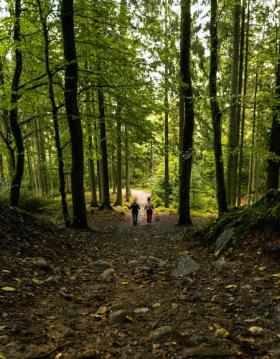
(161, 331)
(224, 239)
(119, 316)
(221, 264)
(185, 266)
(108, 275)
(41, 263)
(100, 265)
(141, 310)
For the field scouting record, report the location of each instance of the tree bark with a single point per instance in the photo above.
(103, 144)
(216, 113)
(243, 105)
(233, 136)
(73, 115)
(166, 110)
(14, 124)
(127, 170)
(187, 141)
(252, 151)
(119, 157)
(274, 144)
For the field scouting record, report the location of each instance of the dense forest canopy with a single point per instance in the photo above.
(181, 97)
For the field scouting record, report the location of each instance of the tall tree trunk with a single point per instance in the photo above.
(54, 109)
(187, 141)
(243, 105)
(103, 144)
(216, 113)
(233, 136)
(119, 157)
(73, 116)
(92, 177)
(14, 124)
(98, 163)
(127, 169)
(166, 110)
(274, 145)
(252, 151)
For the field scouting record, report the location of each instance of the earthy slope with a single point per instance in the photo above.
(68, 307)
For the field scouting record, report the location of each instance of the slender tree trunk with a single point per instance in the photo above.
(252, 151)
(274, 145)
(127, 170)
(73, 116)
(166, 111)
(119, 157)
(233, 137)
(92, 177)
(98, 164)
(216, 113)
(187, 141)
(103, 144)
(14, 124)
(243, 105)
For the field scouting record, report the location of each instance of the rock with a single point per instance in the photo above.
(141, 310)
(101, 265)
(221, 264)
(166, 334)
(203, 351)
(108, 275)
(142, 269)
(41, 263)
(4, 340)
(256, 330)
(185, 266)
(223, 240)
(119, 316)
(161, 331)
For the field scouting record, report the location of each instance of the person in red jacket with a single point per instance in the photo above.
(149, 208)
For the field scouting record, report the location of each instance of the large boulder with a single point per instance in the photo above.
(185, 266)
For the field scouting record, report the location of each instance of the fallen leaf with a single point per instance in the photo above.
(8, 289)
(2, 327)
(131, 319)
(124, 282)
(231, 286)
(222, 333)
(156, 305)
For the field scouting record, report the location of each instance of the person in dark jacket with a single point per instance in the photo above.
(134, 207)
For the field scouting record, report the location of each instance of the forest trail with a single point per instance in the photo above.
(113, 294)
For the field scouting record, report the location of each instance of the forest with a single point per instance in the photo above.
(99, 97)
(166, 110)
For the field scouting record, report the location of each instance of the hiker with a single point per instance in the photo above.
(149, 210)
(134, 210)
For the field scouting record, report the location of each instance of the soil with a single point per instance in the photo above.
(109, 292)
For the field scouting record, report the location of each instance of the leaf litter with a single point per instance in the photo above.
(66, 314)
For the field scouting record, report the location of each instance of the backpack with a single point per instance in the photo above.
(149, 207)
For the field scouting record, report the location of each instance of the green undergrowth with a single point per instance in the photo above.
(264, 215)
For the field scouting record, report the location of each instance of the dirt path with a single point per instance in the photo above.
(116, 298)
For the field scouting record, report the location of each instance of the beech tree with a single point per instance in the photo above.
(73, 115)
(188, 120)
